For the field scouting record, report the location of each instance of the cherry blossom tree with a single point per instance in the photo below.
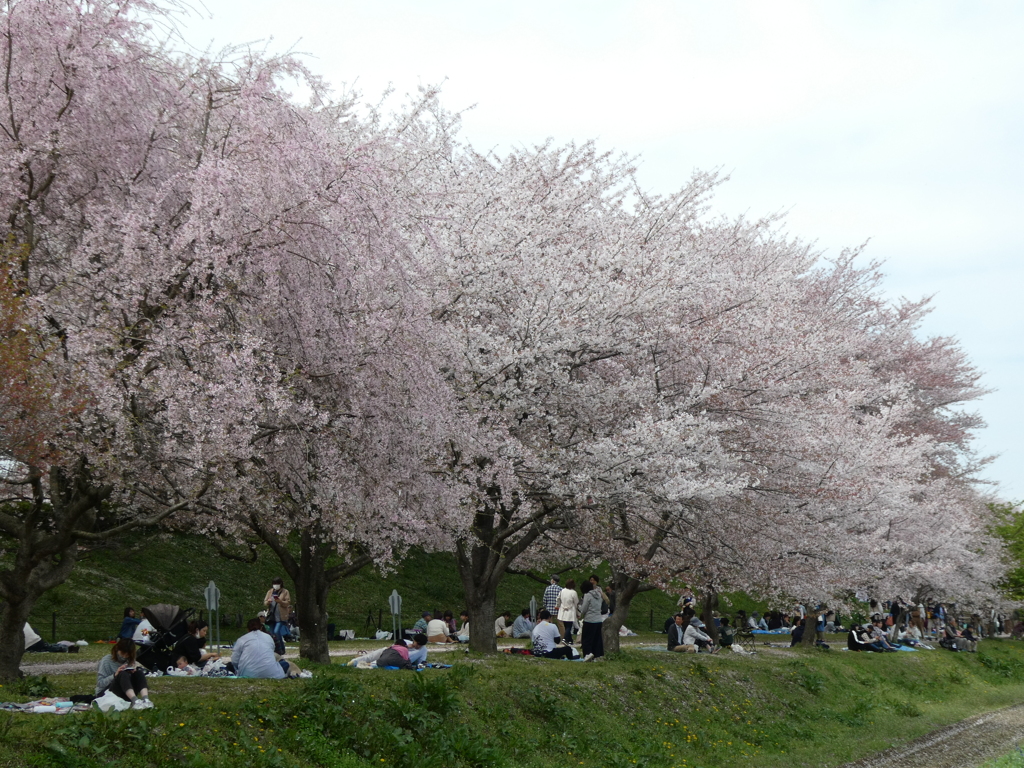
(821, 437)
(338, 474)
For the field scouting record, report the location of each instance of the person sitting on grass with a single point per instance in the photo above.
(878, 634)
(119, 674)
(421, 623)
(522, 626)
(676, 636)
(192, 645)
(463, 634)
(859, 639)
(954, 639)
(694, 636)
(545, 638)
(129, 623)
(910, 636)
(969, 638)
(502, 627)
(437, 632)
(253, 654)
(726, 634)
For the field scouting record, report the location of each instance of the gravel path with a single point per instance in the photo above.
(966, 744)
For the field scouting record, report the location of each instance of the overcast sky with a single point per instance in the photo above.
(898, 123)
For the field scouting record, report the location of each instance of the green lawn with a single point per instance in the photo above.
(164, 568)
(780, 708)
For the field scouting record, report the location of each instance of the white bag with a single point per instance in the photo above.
(382, 635)
(109, 701)
(213, 665)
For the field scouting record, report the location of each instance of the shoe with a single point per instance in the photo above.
(142, 704)
(589, 657)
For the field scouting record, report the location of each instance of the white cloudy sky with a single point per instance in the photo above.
(891, 121)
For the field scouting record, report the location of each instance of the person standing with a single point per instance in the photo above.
(590, 615)
(279, 604)
(568, 608)
(604, 597)
(550, 600)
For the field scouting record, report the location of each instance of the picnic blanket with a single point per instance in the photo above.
(53, 706)
(779, 631)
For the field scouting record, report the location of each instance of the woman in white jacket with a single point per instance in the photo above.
(568, 608)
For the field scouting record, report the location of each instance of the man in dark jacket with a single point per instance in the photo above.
(675, 635)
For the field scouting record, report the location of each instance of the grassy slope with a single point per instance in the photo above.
(799, 708)
(161, 568)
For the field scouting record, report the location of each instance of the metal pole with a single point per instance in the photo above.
(53, 630)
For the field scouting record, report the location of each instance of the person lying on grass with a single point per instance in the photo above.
(35, 644)
(415, 652)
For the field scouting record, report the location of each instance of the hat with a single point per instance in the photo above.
(555, 577)
(427, 614)
(695, 622)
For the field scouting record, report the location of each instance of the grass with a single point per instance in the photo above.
(655, 710)
(148, 568)
(1014, 759)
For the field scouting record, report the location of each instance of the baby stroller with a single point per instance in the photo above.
(170, 624)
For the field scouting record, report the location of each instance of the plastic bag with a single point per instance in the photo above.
(110, 700)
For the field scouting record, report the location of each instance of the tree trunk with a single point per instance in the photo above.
(480, 570)
(313, 580)
(626, 588)
(12, 639)
(480, 604)
(47, 537)
(311, 590)
(482, 560)
(810, 629)
(708, 606)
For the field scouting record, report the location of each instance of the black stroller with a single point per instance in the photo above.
(170, 624)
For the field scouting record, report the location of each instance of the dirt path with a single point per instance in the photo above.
(966, 744)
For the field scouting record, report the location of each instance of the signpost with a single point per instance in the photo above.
(395, 603)
(533, 608)
(213, 606)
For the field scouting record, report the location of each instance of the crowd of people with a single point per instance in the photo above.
(259, 653)
(568, 616)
